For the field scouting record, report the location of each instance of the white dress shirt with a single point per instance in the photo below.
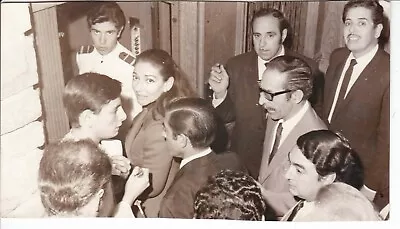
(195, 156)
(289, 124)
(362, 62)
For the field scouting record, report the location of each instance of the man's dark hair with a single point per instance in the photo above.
(70, 174)
(88, 91)
(298, 73)
(104, 12)
(230, 195)
(283, 23)
(195, 118)
(330, 152)
(373, 5)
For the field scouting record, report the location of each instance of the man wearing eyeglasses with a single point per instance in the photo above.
(235, 88)
(285, 88)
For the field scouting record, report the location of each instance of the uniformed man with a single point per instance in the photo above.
(107, 56)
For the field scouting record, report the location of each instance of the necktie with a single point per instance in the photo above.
(345, 84)
(276, 142)
(295, 210)
(266, 64)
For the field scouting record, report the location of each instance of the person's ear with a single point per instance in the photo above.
(183, 140)
(297, 96)
(329, 179)
(378, 30)
(168, 84)
(284, 35)
(86, 118)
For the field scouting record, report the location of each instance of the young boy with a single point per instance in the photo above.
(107, 56)
(93, 106)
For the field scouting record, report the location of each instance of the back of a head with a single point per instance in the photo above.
(341, 202)
(330, 152)
(88, 91)
(195, 118)
(297, 71)
(70, 174)
(106, 12)
(230, 195)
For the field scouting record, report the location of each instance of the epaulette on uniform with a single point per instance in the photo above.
(85, 49)
(127, 58)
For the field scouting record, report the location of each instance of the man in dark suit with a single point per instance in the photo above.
(236, 91)
(285, 88)
(356, 100)
(190, 126)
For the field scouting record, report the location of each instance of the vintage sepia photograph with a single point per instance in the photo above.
(222, 111)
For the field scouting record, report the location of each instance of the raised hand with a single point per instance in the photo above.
(219, 80)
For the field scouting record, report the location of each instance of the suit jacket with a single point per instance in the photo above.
(241, 105)
(272, 176)
(363, 117)
(146, 147)
(179, 200)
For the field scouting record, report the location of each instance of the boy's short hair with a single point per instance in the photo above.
(88, 91)
(230, 195)
(70, 174)
(104, 12)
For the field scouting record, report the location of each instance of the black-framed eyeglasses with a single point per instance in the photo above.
(270, 96)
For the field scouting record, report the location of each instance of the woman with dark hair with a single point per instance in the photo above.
(157, 80)
(320, 158)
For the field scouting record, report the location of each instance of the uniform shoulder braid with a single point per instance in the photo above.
(86, 49)
(127, 58)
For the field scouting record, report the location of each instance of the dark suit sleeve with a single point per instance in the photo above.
(178, 204)
(226, 110)
(380, 167)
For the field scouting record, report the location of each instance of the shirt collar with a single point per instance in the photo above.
(366, 58)
(296, 118)
(195, 156)
(280, 53)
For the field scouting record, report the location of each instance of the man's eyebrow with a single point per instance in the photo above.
(298, 165)
(360, 18)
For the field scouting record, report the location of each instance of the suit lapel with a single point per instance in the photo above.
(335, 80)
(136, 126)
(369, 71)
(267, 147)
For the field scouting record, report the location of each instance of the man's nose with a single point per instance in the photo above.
(123, 115)
(103, 39)
(263, 41)
(261, 99)
(288, 174)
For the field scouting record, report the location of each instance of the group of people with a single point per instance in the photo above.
(142, 141)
